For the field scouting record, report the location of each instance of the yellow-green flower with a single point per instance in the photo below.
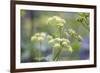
(65, 40)
(71, 32)
(42, 34)
(33, 38)
(40, 38)
(37, 34)
(60, 25)
(49, 19)
(64, 43)
(74, 34)
(60, 20)
(49, 37)
(51, 41)
(79, 37)
(54, 20)
(56, 45)
(57, 39)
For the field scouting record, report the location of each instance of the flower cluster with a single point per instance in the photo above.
(38, 37)
(74, 34)
(55, 20)
(83, 18)
(61, 43)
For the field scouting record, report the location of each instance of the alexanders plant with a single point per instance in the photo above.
(59, 42)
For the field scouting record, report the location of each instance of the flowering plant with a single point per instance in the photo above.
(59, 42)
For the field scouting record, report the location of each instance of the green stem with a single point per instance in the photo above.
(61, 32)
(39, 51)
(56, 57)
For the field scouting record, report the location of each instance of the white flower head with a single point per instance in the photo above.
(51, 41)
(49, 37)
(40, 38)
(60, 25)
(33, 38)
(65, 40)
(54, 20)
(57, 39)
(42, 34)
(60, 20)
(51, 21)
(64, 43)
(56, 45)
(37, 34)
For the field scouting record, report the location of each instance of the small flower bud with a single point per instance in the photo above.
(71, 32)
(79, 37)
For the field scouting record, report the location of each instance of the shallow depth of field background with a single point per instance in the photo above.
(36, 21)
